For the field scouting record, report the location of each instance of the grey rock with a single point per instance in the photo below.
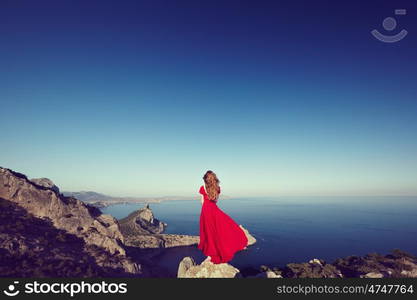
(316, 261)
(185, 264)
(188, 269)
(372, 275)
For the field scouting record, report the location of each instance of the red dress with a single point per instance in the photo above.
(220, 236)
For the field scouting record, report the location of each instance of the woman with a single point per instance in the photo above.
(220, 236)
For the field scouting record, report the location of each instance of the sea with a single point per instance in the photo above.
(296, 229)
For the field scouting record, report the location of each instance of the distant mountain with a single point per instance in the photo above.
(103, 200)
(100, 200)
(89, 196)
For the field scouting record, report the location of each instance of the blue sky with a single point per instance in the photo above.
(140, 98)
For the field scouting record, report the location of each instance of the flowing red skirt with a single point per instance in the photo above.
(220, 236)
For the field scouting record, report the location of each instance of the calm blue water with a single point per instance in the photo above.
(298, 229)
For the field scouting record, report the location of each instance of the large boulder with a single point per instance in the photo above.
(185, 264)
(42, 200)
(189, 269)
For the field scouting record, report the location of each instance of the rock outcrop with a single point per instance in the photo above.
(42, 199)
(251, 239)
(141, 229)
(141, 222)
(189, 269)
(374, 265)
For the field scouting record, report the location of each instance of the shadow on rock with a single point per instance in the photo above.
(33, 247)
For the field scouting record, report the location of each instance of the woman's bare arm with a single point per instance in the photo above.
(202, 199)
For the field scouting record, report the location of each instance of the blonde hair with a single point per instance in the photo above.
(212, 185)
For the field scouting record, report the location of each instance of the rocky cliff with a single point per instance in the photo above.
(34, 247)
(41, 199)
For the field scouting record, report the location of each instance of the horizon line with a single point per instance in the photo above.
(250, 196)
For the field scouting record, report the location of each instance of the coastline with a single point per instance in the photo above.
(107, 203)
